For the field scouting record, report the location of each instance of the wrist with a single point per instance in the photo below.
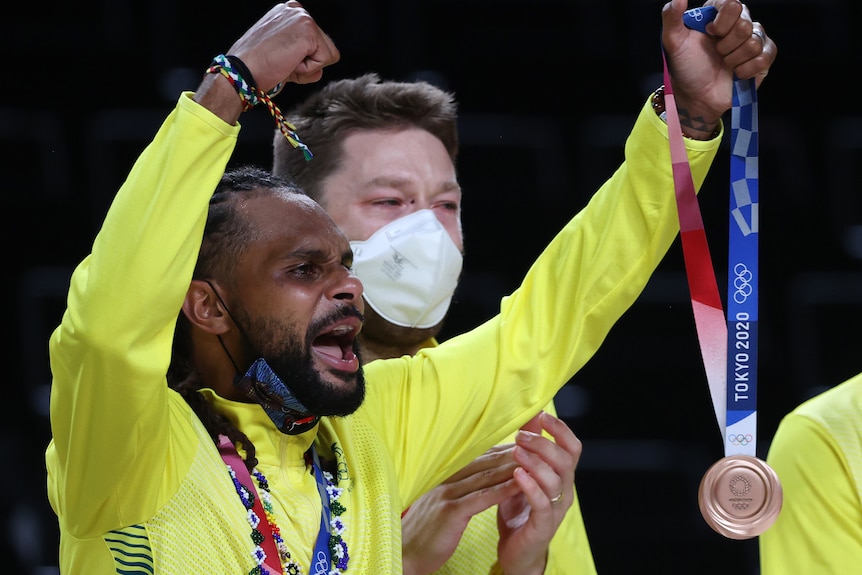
(411, 563)
(693, 126)
(525, 566)
(217, 95)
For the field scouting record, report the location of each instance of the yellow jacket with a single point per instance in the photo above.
(135, 480)
(817, 454)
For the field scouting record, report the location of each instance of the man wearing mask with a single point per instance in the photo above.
(387, 177)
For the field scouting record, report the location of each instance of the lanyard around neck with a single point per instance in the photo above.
(321, 561)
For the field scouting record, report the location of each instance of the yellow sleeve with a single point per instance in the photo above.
(446, 405)
(112, 415)
(819, 528)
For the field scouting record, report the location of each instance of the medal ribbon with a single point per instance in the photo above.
(322, 560)
(731, 376)
(742, 284)
(228, 453)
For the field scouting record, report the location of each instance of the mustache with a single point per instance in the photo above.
(339, 314)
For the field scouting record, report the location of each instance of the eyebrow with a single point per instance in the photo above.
(318, 254)
(400, 183)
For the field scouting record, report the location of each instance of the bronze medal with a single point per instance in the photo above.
(740, 496)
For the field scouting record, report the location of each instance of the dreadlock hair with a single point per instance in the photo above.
(226, 235)
(362, 103)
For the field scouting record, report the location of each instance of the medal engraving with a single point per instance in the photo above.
(740, 496)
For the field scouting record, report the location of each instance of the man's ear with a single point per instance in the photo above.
(204, 309)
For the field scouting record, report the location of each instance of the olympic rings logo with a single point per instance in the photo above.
(742, 283)
(321, 567)
(739, 485)
(696, 14)
(740, 439)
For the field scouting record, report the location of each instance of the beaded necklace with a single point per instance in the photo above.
(337, 545)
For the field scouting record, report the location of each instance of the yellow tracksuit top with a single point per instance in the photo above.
(139, 487)
(817, 454)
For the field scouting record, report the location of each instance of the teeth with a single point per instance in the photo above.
(342, 329)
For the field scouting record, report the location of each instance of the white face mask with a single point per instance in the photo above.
(410, 268)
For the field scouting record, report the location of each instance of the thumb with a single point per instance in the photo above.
(672, 21)
(671, 14)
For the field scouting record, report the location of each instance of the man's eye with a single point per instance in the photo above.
(304, 270)
(388, 202)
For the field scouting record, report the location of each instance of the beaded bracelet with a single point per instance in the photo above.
(658, 103)
(238, 74)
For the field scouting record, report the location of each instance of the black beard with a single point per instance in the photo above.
(322, 398)
(294, 365)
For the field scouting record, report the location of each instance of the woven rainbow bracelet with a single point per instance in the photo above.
(233, 68)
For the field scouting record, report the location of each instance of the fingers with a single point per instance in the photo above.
(562, 454)
(748, 50)
(471, 496)
(285, 44)
(526, 523)
(730, 16)
(488, 467)
(535, 424)
(468, 497)
(550, 463)
(536, 498)
(758, 31)
(432, 527)
(671, 16)
(324, 53)
(703, 66)
(563, 435)
(434, 524)
(742, 42)
(765, 52)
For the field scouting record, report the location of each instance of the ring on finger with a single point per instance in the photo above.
(557, 499)
(759, 34)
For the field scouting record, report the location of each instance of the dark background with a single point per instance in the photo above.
(548, 90)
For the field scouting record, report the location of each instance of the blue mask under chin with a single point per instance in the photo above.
(261, 384)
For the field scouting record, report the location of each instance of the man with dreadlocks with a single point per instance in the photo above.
(208, 409)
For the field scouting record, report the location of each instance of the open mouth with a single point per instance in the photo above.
(335, 345)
